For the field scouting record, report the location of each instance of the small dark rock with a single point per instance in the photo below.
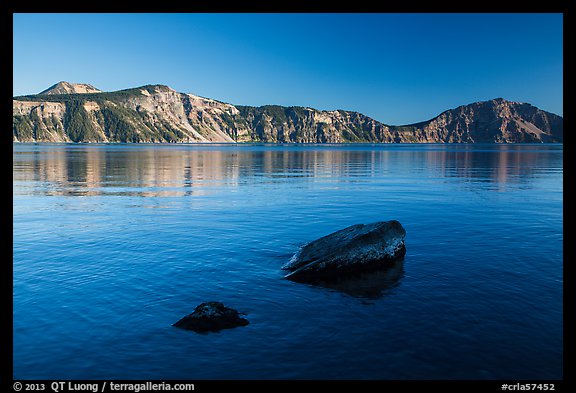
(211, 317)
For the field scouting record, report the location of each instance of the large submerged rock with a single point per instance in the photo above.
(211, 317)
(358, 248)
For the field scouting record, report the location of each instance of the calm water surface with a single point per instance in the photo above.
(113, 244)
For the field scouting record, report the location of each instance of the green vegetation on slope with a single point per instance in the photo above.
(22, 128)
(78, 123)
(96, 97)
(119, 123)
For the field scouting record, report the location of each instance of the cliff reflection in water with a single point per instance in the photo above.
(160, 170)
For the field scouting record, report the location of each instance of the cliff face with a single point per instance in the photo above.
(156, 113)
(497, 121)
(146, 114)
(273, 123)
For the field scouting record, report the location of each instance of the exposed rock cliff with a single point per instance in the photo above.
(497, 120)
(157, 113)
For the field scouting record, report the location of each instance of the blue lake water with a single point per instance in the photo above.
(114, 243)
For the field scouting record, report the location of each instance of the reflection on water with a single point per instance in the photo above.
(187, 170)
(112, 237)
(370, 285)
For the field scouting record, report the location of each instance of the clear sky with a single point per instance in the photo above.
(396, 68)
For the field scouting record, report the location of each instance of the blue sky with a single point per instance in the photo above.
(396, 68)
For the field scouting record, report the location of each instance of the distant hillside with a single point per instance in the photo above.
(497, 121)
(70, 88)
(156, 113)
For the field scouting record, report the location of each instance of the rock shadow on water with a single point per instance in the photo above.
(370, 285)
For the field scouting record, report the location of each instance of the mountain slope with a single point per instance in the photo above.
(157, 113)
(497, 120)
(70, 88)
